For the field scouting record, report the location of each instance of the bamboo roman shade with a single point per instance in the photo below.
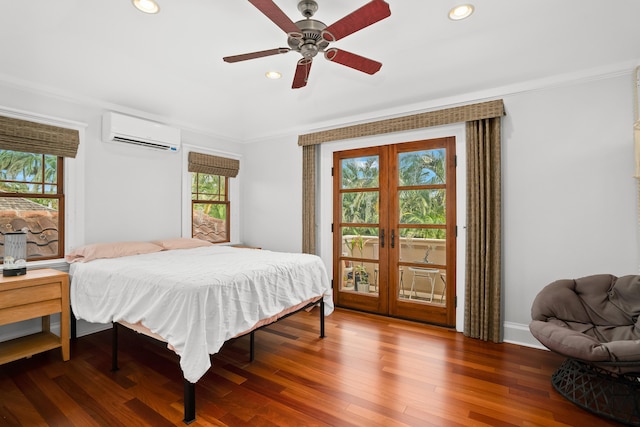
(31, 137)
(214, 165)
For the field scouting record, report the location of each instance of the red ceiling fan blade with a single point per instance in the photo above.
(253, 55)
(352, 60)
(275, 14)
(370, 13)
(302, 73)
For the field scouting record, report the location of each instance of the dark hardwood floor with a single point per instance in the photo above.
(368, 371)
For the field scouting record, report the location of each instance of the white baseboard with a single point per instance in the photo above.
(85, 328)
(514, 333)
(32, 326)
(517, 333)
(27, 327)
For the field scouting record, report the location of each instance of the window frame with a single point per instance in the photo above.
(224, 202)
(59, 195)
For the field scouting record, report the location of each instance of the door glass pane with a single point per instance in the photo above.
(422, 167)
(422, 247)
(360, 242)
(360, 207)
(359, 276)
(360, 172)
(423, 206)
(423, 284)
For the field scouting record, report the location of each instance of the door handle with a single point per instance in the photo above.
(382, 238)
(393, 238)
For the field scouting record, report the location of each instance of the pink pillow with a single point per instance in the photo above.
(111, 250)
(181, 243)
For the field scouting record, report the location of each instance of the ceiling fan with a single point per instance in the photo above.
(309, 36)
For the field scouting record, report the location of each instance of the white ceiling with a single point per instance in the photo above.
(170, 65)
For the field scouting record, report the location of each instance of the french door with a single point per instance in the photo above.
(394, 230)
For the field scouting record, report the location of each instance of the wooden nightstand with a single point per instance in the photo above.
(39, 293)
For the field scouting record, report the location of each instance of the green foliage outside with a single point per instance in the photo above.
(360, 206)
(209, 188)
(423, 206)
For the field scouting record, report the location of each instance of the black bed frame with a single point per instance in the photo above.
(189, 387)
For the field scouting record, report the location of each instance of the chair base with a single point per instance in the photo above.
(606, 394)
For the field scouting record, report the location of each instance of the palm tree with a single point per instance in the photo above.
(18, 166)
(50, 169)
(422, 168)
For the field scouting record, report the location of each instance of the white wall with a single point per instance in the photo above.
(569, 199)
(569, 196)
(272, 194)
(132, 193)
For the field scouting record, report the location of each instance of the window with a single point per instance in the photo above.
(210, 207)
(32, 200)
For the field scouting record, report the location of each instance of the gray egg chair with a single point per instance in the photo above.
(593, 321)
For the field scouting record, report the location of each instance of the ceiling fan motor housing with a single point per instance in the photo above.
(311, 42)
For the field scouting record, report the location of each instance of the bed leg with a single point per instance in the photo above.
(322, 318)
(251, 346)
(189, 402)
(74, 325)
(114, 347)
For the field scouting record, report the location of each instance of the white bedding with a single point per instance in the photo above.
(196, 299)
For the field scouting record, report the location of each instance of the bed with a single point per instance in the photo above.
(194, 298)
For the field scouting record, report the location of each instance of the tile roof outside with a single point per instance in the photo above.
(40, 221)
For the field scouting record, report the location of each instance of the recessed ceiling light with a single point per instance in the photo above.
(146, 6)
(273, 75)
(461, 12)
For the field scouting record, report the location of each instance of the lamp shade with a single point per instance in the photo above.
(15, 254)
(15, 245)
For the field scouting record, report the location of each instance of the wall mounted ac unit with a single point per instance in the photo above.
(132, 130)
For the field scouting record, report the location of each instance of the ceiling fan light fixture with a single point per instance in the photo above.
(461, 12)
(146, 6)
(273, 75)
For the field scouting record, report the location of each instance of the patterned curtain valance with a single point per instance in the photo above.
(214, 165)
(31, 137)
(465, 113)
